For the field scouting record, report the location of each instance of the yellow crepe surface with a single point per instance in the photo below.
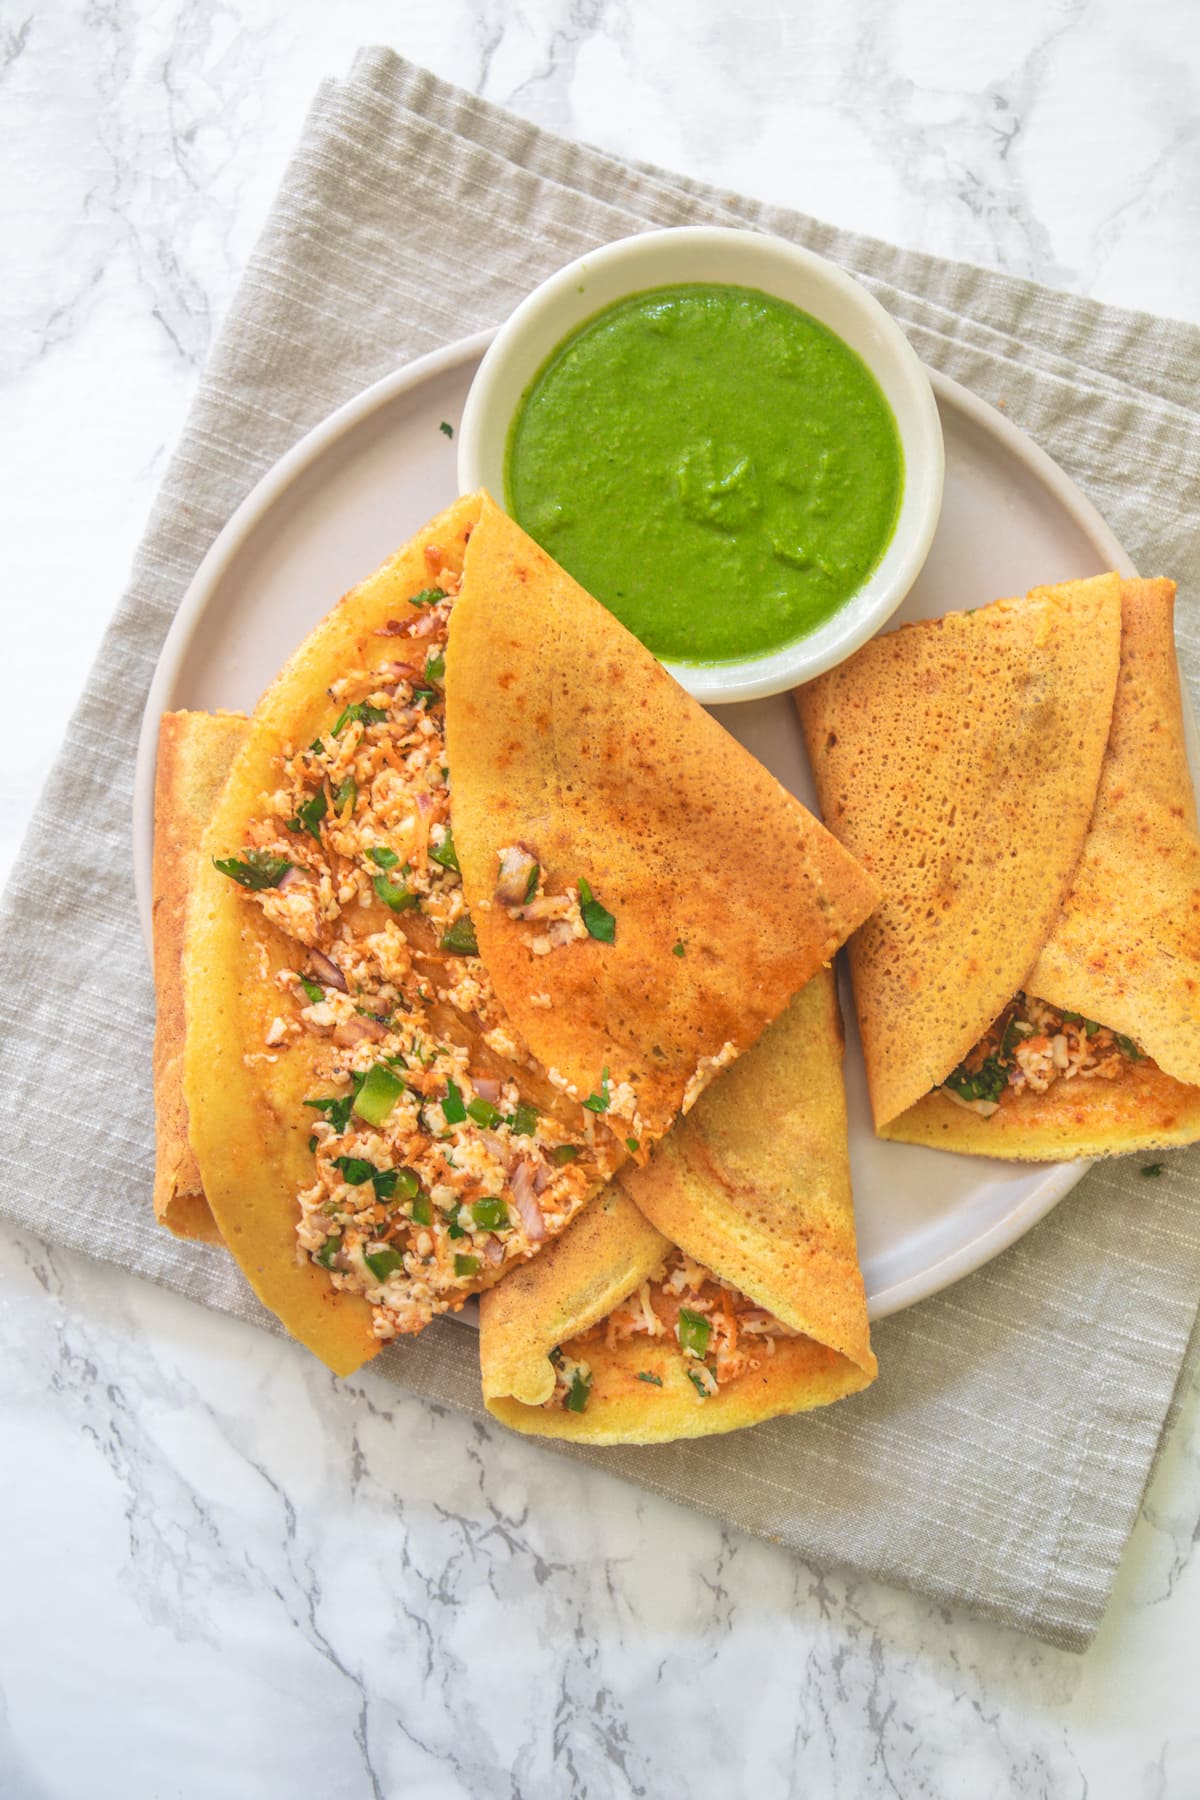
(195, 751)
(248, 1126)
(959, 759)
(1125, 948)
(567, 737)
(754, 1183)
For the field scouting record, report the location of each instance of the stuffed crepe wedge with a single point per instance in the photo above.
(1016, 777)
(714, 1287)
(384, 1110)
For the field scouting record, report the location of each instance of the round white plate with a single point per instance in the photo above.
(372, 473)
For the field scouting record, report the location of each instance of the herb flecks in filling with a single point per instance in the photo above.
(1033, 1045)
(716, 1332)
(442, 1153)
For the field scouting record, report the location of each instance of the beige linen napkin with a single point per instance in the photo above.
(999, 1462)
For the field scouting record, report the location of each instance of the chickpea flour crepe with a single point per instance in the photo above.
(594, 798)
(195, 751)
(1016, 778)
(714, 1287)
(379, 1130)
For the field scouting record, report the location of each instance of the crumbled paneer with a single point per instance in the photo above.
(718, 1333)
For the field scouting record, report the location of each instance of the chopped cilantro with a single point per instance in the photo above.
(678, 950)
(523, 1122)
(445, 853)
(466, 1265)
(1153, 1170)
(693, 1331)
(697, 1382)
(259, 870)
(354, 1170)
(385, 1182)
(314, 990)
(382, 857)
(309, 815)
(453, 1228)
(531, 884)
(425, 696)
(490, 1213)
(1128, 1048)
(460, 939)
(344, 796)
(632, 1145)
(362, 713)
(600, 1102)
(598, 919)
(446, 429)
(336, 1111)
(453, 1110)
(312, 1144)
(383, 1262)
(986, 1083)
(317, 747)
(394, 893)
(435, 667)
(483, 1113)
(576, 1398)
(427, 597)
(645, 1375)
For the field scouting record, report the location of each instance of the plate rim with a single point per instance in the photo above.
(272, 486)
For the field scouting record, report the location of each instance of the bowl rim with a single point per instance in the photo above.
(562, 303)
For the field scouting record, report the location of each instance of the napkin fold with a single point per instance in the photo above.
(999, 1462)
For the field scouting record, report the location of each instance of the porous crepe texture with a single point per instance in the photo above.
(1125, 947)
(754, 1184)
(248, 1124)
(195, 751)
(958, 759)
(565, 735)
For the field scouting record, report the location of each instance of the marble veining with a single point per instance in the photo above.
(226, 1573)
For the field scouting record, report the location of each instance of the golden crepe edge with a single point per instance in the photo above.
(195, 752)
(720, 1190)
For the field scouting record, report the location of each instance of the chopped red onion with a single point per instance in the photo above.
(327, 972)
(525, 1202)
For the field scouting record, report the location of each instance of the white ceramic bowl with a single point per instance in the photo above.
(743, 259)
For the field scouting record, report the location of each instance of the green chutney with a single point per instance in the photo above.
(715, 465)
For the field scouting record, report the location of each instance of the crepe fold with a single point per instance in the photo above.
(1016, 779)
(603, 1037)
(754, 1185)
(195, 751)
(568, 739)
(247, 1121)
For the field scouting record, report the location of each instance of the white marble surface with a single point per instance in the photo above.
(222, 1574)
